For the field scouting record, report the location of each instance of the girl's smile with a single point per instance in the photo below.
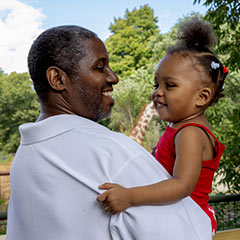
(177, 89)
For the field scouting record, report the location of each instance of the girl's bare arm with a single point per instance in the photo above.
(189, 145)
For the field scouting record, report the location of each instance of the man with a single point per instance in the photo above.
(65, 155)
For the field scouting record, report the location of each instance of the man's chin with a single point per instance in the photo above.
(103, 115)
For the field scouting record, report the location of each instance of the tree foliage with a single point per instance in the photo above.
(134, 90)
(135, 66)
(224, 16)
(128, 45)
(135, 47)
(18, 105)
(130, 96)
(224, 119)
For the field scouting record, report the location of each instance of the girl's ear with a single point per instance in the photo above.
(56, 78)
(204, 97)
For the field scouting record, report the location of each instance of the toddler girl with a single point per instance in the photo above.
(188, 80)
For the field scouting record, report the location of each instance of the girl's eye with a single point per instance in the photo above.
(170, 85)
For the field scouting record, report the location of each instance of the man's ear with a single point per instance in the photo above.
(56, 78)
(204, 97)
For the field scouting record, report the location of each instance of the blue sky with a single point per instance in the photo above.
(21, 21)
(98, 14)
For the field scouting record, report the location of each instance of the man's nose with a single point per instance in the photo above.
(112, 77)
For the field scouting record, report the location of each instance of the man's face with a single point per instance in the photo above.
(91, 88)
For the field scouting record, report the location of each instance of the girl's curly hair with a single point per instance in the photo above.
(195, 40)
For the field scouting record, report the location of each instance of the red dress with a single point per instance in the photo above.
(165, 154)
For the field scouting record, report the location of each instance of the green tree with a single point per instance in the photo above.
(128, 45)
(135, 47)
(134, 90)
(130, 96)
(18, 105)
(224, 118)
(135, 87)
(224, 15)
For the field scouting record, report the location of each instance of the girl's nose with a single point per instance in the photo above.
(158, 92)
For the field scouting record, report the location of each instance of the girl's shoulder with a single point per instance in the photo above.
(195, 131)
(198, 125)
(203, 127)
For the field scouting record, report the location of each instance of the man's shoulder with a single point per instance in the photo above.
(111, 139)
(77, 129)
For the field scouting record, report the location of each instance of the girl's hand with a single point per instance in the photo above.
(154, 150)
(116, 199)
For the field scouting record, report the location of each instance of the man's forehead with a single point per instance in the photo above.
(96, 48)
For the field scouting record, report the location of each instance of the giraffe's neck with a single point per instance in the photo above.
(138, 131)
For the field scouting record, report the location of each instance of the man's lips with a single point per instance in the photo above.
(108, 94)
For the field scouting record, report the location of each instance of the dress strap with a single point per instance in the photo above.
(197, 125)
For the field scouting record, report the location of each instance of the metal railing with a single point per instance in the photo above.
(3, 215)
(227, 209)
(6, 173)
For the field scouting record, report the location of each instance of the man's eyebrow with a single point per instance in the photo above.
(103, 60)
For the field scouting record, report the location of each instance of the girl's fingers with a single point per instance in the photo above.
(108, 209)
(105, 204)
(107, 186)
(102, 197)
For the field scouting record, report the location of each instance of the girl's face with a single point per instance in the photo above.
(177, 87)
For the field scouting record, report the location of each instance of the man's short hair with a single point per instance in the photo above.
(63, 47)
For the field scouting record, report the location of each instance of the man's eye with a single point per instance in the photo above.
(100, 68)
(156, 85)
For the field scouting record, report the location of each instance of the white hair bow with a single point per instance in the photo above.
(214, 65)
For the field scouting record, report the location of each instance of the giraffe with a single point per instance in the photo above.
(139, 129)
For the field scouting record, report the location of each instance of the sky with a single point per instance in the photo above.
(21, 21)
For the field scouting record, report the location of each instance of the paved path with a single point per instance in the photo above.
(233, 234)
(2, 237)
